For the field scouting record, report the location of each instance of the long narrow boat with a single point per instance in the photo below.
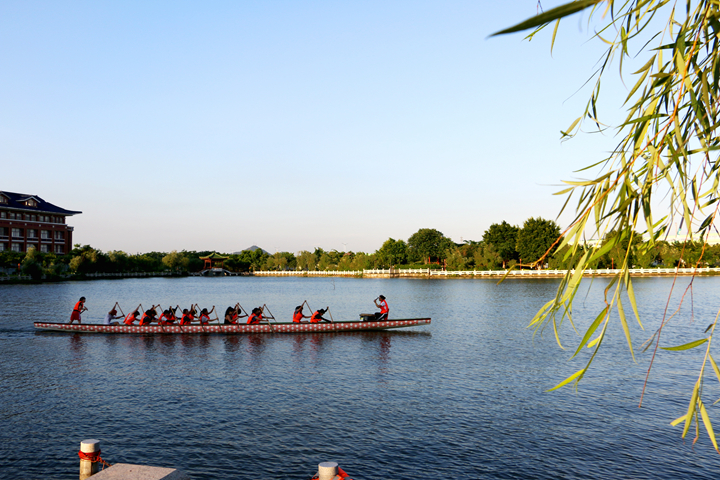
(231, 329)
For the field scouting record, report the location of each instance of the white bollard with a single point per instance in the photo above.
(327, 470)
(88, 467)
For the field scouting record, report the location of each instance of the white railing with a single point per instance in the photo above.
(316, 273)
(128, 274)
(409, 272)
(598, 271)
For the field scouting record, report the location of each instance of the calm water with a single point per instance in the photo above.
(462, 398)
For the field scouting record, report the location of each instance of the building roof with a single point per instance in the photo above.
(214, 256)
(19, 201)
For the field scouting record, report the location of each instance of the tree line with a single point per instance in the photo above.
(502, 246)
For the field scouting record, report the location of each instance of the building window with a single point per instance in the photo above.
(17, 233)
(31, 203)
(44, 248)
(16, 247)
(3, 214)
(3, 199)
(32, 218)
(3, 231)
(45, 234)
(32, 233)
(3, 246)
(59, 235)
(11, 215)
(61, 220)
(31, 247)
(59, 249)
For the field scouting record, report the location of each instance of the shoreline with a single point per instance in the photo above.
(390, 273)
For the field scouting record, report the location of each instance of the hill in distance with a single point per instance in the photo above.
(252, 249)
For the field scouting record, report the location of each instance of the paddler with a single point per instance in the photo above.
(205, 316)
(232, 315)
(298, 314)
(131, 317)
(317, 317)
(148, 317)
(77, 310)
(255, 316)
(167, 317)
(187, 317)
(112, 316)
(382, 315)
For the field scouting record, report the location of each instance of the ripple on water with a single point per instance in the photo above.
(462, 398)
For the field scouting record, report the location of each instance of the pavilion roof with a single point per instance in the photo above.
(214, 256)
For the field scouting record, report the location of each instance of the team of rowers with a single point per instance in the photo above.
(233, 315)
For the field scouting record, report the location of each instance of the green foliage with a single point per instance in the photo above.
(306, 261)
(503, 238)
(665, 164)
(392, 252)
(535, 239)
(487, 258)
(176, 261)
(427, 243)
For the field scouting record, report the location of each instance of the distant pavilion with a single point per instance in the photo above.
(213, 261)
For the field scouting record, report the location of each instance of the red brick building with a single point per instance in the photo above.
(29, 221)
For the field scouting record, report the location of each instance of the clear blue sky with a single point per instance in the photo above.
(290, 125)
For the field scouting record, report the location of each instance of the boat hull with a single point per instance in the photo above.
(231, 329)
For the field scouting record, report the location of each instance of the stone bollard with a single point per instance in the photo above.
(327, 470)
(90, 449)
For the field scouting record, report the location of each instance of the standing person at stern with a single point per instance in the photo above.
(382, 315)
(77, 310)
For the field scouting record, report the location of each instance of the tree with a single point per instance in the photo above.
(486, 257)
(392, 252)
(503, 238)
(535, 238)
(668, 143)
(175, 261)
(427, 243)
(306, 260)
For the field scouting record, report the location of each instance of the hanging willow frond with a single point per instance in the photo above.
(668, 148)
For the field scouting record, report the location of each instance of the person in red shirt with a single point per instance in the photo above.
(317, 317)
(131, 317)
(77, 310)
(148, 316)
(188, 316)
(205, 316)
(298, 314)
(167, 317)
(255, 316)
(382, 315)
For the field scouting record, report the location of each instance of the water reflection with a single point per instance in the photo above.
(463, 397)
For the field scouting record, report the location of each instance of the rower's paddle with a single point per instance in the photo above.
(262, 309)
(244, 311)
(217, 317)
(159, 322)
(118, 305)
(332, 320)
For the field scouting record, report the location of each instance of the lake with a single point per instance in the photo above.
(461, 398)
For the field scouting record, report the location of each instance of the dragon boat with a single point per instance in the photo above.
(231, 329)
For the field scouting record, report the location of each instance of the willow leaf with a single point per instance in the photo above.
(686, 346)
(708, 425)
(715, 367)
(591, 329)
(626, 330)
(691, 408)
(633, 302)
(577, 375)
(548, 16)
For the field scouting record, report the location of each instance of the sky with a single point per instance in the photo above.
(290, 125)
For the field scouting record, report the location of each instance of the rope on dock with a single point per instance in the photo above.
(93, 457)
